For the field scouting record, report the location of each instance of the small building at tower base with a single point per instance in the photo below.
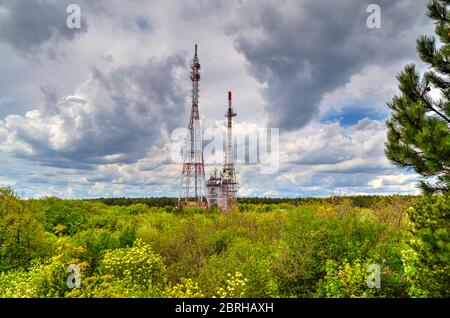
(216, 192)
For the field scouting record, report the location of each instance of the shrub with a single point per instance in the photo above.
(235, 286)
(310, 241)
(252, 259)
(41, 280)
(187, 288)
(68, 217)
(427, 261)
(349, 280)
(138, 266)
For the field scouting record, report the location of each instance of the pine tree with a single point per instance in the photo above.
(418, 128)
(419, 138)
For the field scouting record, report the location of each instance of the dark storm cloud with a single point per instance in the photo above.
(304, 49)
(114, 117)
(29, 24)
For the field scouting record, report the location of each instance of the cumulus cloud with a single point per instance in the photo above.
(367, 90)
(32, 26)
(396, 180)
(327, 156)
(302, 50)
(331, 145)
(296, 65)
(113, 117)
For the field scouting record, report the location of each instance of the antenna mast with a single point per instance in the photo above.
(230, 183)
(193, 174)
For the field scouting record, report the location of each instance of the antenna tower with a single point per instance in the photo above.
(229, 173)
(193, 191)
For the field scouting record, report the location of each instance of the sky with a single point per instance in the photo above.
(91, 111)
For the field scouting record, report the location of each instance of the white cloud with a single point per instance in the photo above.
(100, 138)
(370, 89)
(112, 117)
(394, 180)
(331, 146)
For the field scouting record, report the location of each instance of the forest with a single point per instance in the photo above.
(296, 248)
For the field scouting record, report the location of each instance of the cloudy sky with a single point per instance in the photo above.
(90, 111)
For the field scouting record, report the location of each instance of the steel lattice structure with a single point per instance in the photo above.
(222, 188)
(229, 174)
(193, 175)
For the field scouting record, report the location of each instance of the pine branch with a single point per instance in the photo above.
(428, 104)
(437, 12)
(417, 137)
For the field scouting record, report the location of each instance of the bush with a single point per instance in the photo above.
(187, 288)
(95, 243)
(63, 218)
(350, 280)
(310, 241)
(138, 266)
(235, 286)
(253, 260)
(427, 261)
(41, 280)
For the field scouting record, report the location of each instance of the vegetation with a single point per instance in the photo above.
(427, 260)
(418, 129)
(311, 248)
(419, 138)
(324, 247)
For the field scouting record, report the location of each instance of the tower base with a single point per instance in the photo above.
(193, 203)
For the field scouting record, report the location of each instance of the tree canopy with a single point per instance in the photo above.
(418, 128)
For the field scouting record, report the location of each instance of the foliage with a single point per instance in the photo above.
(419, 138)
(346, 280)
(22, 237)
(418, 129)
(137, 265)
(187, 288)
(253, 260)
(41, 280)
(427, 261)
(126, 272)
(64, 219)
(315, 240)
(279, 249)
(235, 286)
(350, 280)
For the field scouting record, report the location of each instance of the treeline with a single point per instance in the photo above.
(152, 201)
(362, 201)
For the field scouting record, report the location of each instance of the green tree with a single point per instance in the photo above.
(418, 128)
(22, 236)
(419, 138)
(61, 215)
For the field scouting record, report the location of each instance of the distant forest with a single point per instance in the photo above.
(361, 201)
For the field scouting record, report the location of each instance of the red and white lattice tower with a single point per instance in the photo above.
(230, 183)
(193, 191)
